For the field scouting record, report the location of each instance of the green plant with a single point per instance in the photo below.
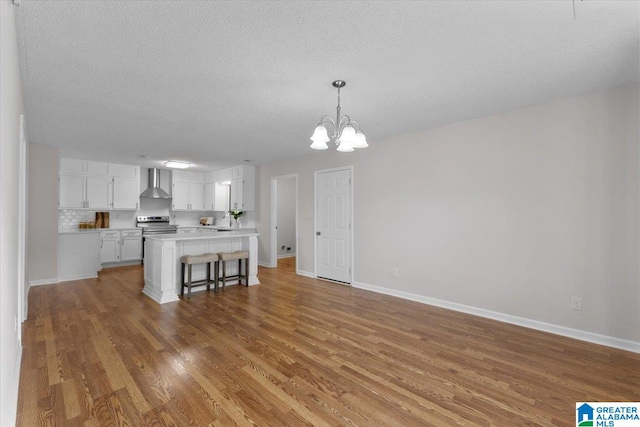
(235, 213)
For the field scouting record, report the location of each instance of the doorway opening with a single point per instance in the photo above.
(284, 220)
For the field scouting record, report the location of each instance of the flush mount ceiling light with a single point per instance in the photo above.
(345, 135)
(176, 164)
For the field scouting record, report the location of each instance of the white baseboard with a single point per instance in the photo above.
(12, 409)
(507, 318)
(81, 277)
(121, 264)
(286, 255)
(265, 264)
(41, 282)
(306, 274)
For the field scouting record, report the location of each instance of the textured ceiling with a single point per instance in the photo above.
(215, 83)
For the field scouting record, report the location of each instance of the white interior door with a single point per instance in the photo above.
(333, 225)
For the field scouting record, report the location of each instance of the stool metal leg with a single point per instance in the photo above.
(208, 276)
(182, 281)
(189, 285)
(224, 274)
(246, 271)
(216, 276)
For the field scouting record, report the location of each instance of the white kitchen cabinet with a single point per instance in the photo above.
(181, 199)
(78, 255)
(72, 192)
(236, 192)
(84, 192)
(98, 192)
(196, 196)
(188, 195)
(209, 196)
(98, 186)
(109, 247)
(221, 196)
(126, 193)
(127, 171)
(131, 245)
(74, 166)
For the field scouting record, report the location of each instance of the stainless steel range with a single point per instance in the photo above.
(154, 225)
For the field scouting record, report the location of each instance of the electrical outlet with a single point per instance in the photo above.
(394, 272)
(576, 303)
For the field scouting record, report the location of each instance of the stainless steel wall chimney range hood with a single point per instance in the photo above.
(154, 191)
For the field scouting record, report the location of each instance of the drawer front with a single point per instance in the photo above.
(132, 233)
(110, 234)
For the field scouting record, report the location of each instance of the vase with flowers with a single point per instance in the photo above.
(236, 213)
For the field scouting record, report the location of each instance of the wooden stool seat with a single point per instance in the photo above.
(190, 260)
(232, 256)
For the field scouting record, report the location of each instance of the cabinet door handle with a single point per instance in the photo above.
(318, 233)
(101, 243)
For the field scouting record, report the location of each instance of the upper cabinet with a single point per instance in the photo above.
(126, 193)
(108, 186)
(243, 188)
(187, 191)
(234, 188)
(95, 185)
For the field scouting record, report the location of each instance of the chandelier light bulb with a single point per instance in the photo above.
(348, 135)
(344, 147)
(360, 141)
(320, 138)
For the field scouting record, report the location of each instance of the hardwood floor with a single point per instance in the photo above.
(295, 351)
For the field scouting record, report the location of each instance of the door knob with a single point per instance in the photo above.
(318, 233)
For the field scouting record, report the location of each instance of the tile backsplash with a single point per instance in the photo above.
(69, 218)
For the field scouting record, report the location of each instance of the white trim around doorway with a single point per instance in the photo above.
(315, 219)
(273, 244)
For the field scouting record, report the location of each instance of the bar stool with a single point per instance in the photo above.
(231, 256)
(189, 260)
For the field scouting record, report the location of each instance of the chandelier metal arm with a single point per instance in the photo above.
(328, 118)
(353, 122)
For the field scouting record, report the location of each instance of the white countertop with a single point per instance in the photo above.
(204, 235)
(76, 230)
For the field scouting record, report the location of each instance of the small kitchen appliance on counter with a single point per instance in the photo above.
(206, 220)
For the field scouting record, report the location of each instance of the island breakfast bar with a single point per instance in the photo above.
(162, 252)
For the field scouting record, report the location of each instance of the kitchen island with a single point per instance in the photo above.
(162, 252)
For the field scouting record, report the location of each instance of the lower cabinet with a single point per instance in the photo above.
(78, 256)
(131, 245)
(110, 247)
(119, 246)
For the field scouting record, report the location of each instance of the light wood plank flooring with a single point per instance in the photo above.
(295, 351)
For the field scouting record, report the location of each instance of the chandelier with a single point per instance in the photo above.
(345, 135)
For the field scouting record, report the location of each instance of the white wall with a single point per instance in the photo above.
(11, 107)
(42, 233)
(286, 195)
(512, 213)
